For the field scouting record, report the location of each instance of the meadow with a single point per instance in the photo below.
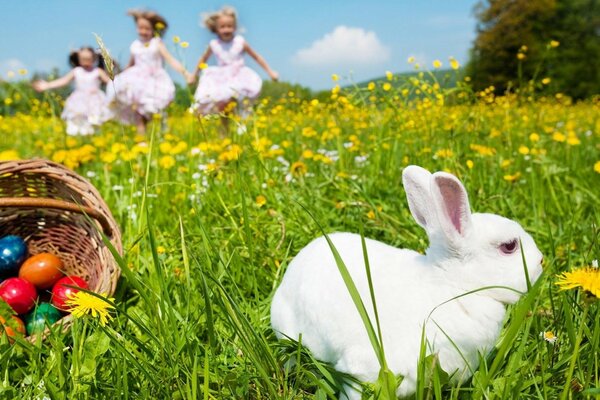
(211, 220)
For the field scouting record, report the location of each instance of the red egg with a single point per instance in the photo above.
(61, 291)
(43, 270)
(19, 294)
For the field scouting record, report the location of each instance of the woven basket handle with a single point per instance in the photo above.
(34, 202)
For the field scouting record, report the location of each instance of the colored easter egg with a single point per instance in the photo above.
(36, 320)
(61, 292)
(43, 270)
(19, 294)
(17, 323)
(13, 252)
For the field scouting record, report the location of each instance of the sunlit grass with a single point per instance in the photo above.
(210, 223)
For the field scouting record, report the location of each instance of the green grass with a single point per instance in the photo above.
(203, 255)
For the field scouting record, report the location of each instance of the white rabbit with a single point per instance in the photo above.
(467, 252)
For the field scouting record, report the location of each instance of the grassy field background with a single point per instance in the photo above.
(210, 222)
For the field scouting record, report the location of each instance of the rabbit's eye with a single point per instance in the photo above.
(509, 247)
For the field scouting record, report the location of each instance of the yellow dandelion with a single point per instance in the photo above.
(534, 137)
(388, 75)
(597, 167)
(512, 178)
(387, 87)
(159, 26)
(587, 278)
(22, 71)
(521, 56)
(298, 168)
(166, 162)
(437, 64)
(524, 150)
(202, 66)
(470, 164)
(546, 81)
(161, 250)
(558, 137)
(184, 45)
(371, 214)
(411, 59)
(83, 303)
(9, 155)
(260, 200)
(335, 77)
(554, 43)
(176, 39)
(454, 64)
(371, 86)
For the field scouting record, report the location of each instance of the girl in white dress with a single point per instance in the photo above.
(85, 108)
(230, 80)
(144, 88)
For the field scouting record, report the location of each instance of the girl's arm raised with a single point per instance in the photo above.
(42, 85)
(177, 66)
(261, 61)
(201, 61)
(103, 75)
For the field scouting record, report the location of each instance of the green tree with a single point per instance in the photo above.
(509, 27)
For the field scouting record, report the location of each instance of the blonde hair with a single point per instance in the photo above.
(158, 22)
(210, 19)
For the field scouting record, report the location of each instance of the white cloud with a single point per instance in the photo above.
(345, 46)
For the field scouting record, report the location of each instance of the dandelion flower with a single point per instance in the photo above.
(176, 39)
(184, 45)
(298, 168)
(388, 75)
(83, 303)
(335, 77)
(597, 167)
(411, 59)
(554, 43)
(454, 64)
(387, 86)
(261, 200)
(546, 81)
(521, 56)
(371, 86)
(437, 64)
(587, 278)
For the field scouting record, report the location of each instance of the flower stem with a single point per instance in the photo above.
(569, 375)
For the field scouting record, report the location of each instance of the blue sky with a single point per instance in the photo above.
(305, 41)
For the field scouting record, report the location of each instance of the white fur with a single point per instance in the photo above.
(464, 255)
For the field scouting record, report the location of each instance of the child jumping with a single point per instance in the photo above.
(144, 88)
(230, 80)
(85, 108)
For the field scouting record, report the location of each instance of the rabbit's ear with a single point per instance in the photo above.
(417, 183)
(452, 206)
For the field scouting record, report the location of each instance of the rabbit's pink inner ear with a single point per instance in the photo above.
(455, 203)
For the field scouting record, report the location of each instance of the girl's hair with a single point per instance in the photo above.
(210, 19)
(158, 22)
(74, 57)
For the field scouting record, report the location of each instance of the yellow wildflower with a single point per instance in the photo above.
(437, 64)
(184, 45)
(546, 81)
(534, 137)
(83, 303)
(335, 77)
(470, 164)
(454, 63)
(524, 150)
(389, 76)
(554, 43)
(549, 336)
(512, 178)
(260, 200)
(298, 168)
(166, 162)
(597, 167)
(587, 278)
(176, 39)
(371, 86)
(387, 86)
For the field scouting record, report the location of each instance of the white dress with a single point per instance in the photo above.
(85, 108)
(145, 88)
(227, 81)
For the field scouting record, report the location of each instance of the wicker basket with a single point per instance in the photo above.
(57, 211)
